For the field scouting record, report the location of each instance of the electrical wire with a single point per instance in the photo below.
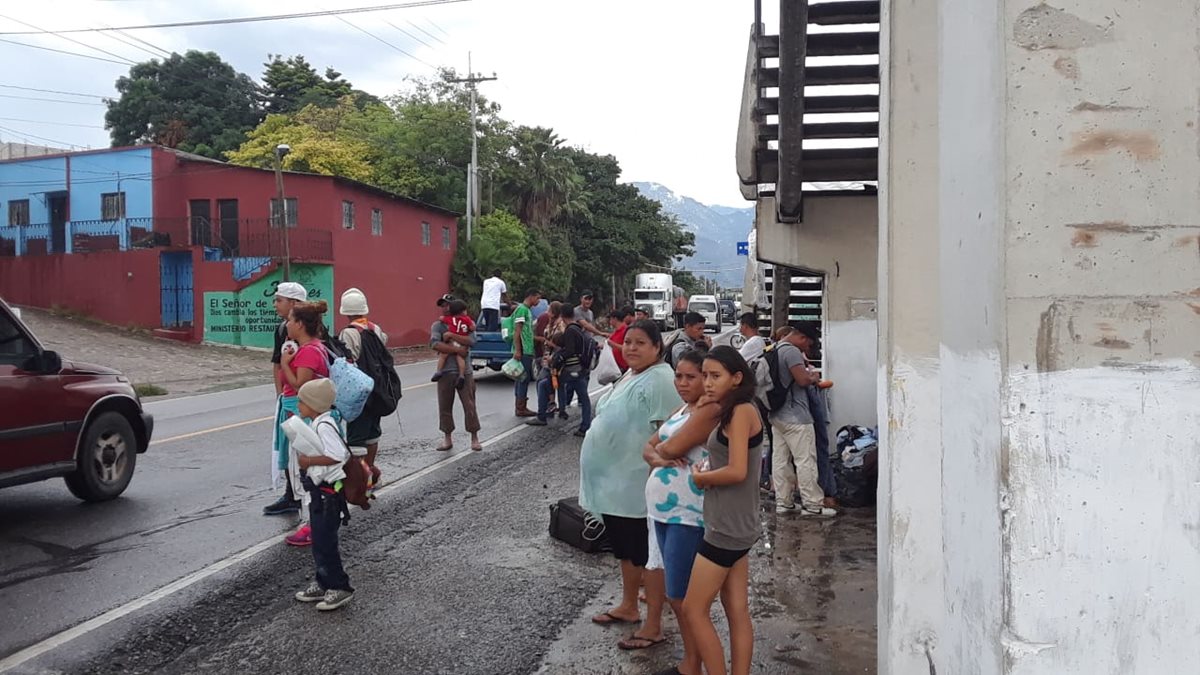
(253, 19)
(138, 39)
(127, 43)
(407, 33)
(56, 124)
(370, 34)
(68, 39)
(48, 100)
(63, 51)
(425, 31)
(27, 136)
(439, 28)
(52, 91)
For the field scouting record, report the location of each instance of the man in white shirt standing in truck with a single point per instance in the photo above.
(495, 291)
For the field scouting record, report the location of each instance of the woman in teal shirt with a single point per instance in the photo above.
(612, 473)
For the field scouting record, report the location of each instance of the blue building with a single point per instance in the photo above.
(47, 202)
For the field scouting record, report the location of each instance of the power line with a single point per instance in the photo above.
(27, 136)
(63, 51)
(253, 19)
(408, 33)
(431, 22)
(52, 91)
(55, 124)
(68, 39)
(123, 41)
(48, 100)
(425, 31)
(370, 34)
(138, 39)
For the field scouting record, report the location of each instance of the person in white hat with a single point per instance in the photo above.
(287, 295)
(365, 430)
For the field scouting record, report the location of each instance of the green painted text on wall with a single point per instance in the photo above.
(247, 317)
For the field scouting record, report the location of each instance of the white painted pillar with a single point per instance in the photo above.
(1040, 314)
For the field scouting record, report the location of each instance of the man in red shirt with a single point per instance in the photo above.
(624, 319)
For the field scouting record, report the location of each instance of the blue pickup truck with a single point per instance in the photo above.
(490, 351)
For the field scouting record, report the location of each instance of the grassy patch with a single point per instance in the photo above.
(149, 390)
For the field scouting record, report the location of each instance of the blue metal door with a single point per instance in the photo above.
(177, 294)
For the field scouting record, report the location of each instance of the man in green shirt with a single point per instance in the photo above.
(522, 319)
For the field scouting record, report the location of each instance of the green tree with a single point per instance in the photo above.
(292, 84)
(318, 141)
(195, 102)
(499, 242)
(539, 176)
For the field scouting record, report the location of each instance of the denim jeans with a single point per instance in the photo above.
(571, 385)
(325, 517)
(820, 415)
(489, 321)
(522, 386)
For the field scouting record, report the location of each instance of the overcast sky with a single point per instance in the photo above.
(657, 83)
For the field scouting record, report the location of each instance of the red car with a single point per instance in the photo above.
(60, 418)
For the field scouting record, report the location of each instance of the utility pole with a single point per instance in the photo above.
(473, 169)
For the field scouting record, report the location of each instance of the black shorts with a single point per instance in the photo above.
(629, 537)
(363, 429)
(721, 556)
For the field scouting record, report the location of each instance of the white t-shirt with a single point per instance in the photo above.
(322, 438)
(493, 289)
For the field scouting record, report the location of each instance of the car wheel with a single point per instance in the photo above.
(107, 458)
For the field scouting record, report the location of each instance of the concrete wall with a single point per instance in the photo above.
(118, 287)
(1050, 389)
(839, 238)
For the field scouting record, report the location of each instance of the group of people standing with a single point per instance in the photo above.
(306, 418)
(670, 466)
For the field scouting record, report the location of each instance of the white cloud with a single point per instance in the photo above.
(657, 83)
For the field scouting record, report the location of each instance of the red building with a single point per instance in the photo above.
(215, 236)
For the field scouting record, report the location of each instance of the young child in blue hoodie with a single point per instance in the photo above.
(322, 453)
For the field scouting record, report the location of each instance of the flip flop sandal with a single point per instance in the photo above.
(607, 619)
(633, 643)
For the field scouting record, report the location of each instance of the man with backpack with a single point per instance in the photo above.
(692, 335)
(366, 347)
(573, 364)
(795, 453)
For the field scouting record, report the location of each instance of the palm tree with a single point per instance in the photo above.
(541, 178)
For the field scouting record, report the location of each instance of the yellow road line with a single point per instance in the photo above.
(235, 425)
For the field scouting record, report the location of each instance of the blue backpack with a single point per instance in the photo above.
(351, 386)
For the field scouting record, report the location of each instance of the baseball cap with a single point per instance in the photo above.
(586, 294)
(445, 300)
(292, 291)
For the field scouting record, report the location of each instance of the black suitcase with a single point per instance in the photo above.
(571, 524)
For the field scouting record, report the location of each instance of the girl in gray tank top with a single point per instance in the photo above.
(731, 523)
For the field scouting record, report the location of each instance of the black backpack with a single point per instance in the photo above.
(590, 355)
(777, 395)
(375, 360)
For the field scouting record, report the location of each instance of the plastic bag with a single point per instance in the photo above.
(607, 370)
(513, 369)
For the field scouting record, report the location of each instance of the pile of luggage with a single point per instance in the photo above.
(855, 463)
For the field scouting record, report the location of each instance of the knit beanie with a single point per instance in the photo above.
(318, 394)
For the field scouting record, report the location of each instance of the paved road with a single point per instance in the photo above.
(195, 501)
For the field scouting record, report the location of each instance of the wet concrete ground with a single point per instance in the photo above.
(455, 573)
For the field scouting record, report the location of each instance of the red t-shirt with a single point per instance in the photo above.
(311, 356)
(618, 337)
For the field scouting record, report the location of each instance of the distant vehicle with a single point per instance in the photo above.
(728, 311)
(706, 306)
(490, 351)
(75, 420)
(652, 293)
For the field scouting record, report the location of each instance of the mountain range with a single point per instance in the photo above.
(717, 230)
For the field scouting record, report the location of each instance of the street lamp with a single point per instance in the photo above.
(280, 151)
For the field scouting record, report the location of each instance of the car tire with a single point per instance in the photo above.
(107, 458)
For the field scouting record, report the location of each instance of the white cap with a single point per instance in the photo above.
(292, 291)
(354, 303)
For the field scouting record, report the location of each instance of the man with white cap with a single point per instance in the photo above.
(364, 430)
(287, 295)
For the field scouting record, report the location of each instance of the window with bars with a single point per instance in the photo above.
(377, 222)
(426, 235)
(445, 238)
(348, 215)
(112, 206)
(292, 204)
(18, 212)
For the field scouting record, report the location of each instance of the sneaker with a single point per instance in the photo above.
(460, 383)
(785, 508)
(581, 433)
(536, 422)
(819, 512)
(282, 507)
(302, 537)
(436, 376)
(334, 599)
(562, 415)
(314, 593)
